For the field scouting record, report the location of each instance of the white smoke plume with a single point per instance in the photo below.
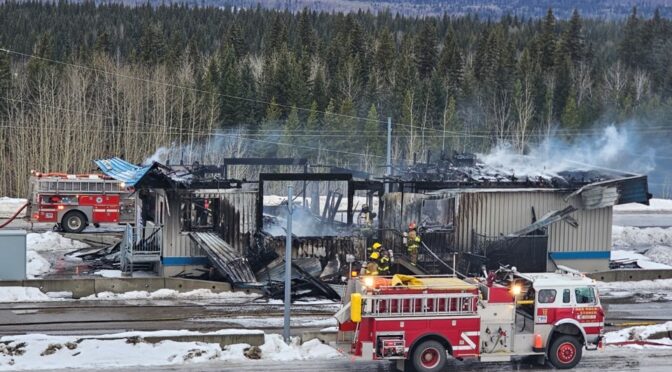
(615, 148)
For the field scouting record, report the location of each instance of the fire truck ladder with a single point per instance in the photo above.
(426, 304)
(77, 185)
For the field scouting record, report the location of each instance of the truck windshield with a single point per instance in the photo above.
(584, 295)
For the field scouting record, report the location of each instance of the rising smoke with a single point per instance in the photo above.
(613, 148)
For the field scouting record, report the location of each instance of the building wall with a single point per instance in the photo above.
(504, 211)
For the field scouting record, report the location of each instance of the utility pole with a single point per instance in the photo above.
(288, 265)
(389, 152)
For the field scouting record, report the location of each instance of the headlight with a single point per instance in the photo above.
(515, 289)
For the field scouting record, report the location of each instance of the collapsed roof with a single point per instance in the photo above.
(596, 187)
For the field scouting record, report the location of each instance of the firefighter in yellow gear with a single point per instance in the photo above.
(372, 265)
(375, 247)
(384, 264)
(413, 243)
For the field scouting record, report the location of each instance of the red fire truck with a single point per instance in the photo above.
(75, 201)
(423, 321)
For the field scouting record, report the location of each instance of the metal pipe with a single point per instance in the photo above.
(288, 265)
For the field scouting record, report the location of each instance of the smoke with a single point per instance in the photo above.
(613, 148)
(210, 150)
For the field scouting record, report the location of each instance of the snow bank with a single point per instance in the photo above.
(118, 274)
(36, 265)
(642, 333)
(168, 294)
(660, 254)
(655, 206)
(9, 206)
(39, 352)
(274, 348)
(642, 261)
(51, 241)
(634, 237)
(22, 294)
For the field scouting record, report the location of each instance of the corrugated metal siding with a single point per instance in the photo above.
(175, 243)
(238, 211)
(503, 212)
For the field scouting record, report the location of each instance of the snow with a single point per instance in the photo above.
(118, 274)
(655, 206)
(52, 241)
(660, 254)
(59, 352)
(634, 237)
(660, 289)
(274, 348)
(9, 206)
(22, 294)
(168, 294)
(36, 265)
(642, 261)
(641, 333)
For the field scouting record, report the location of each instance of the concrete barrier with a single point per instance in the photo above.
(82, 287)
(252, 339)
(629, 275)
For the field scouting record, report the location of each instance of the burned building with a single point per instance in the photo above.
(487, 216)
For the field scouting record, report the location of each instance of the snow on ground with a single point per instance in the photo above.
(38, 352)
(22, 294)
(39, 245)
(169, 294)
(642, 261)
(272, 322)
(9, 206)
(655, 206)
(652, 333)
(633, 237)
(118, 274)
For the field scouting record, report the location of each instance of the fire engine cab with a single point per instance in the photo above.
(73, 202)
(423, 321)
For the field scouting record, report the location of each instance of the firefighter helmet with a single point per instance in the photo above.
(374, 255)
(376, 245)
(412, 226)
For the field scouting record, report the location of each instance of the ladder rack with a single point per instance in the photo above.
(436, 304)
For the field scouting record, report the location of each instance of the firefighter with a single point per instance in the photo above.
(413, 243)
(384, 263)
(375, 247)
(372, 266)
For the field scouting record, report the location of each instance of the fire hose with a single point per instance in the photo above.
(14, 216)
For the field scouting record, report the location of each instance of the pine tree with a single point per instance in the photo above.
(548, 41)
(307, 36)
(103, 44)
(630, 48)
(570, 114)
(573, 38)
(290, 133)
(374, 140)
(425, 51)
(451, 65)
(152, 46)
(270, 130)
(237, 41)
(385, 54)
(229, 87)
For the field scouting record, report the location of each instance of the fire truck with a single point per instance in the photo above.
(73, 202)
(421, 322)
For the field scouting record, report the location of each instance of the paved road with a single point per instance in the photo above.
(616, 359)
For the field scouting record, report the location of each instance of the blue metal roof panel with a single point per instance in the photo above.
(122, 170)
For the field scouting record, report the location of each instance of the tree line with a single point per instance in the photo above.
(80, 81)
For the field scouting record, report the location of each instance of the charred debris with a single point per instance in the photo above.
(233, 229)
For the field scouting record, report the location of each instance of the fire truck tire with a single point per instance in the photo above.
(73, 222)
(565, 352)
(429, 356)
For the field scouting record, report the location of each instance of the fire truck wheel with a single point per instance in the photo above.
(74, 222)
(429, 356)
(565, 352)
